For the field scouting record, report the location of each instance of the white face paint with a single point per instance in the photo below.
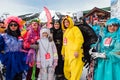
(34, 25)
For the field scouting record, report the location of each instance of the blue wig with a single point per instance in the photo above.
(113, 21)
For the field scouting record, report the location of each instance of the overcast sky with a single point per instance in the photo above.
(19, 7)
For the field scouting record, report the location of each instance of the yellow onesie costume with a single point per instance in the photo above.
(72, 43)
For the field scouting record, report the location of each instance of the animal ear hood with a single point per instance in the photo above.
(44, 29)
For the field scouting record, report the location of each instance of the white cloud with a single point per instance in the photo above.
(15, 8)
(77, 5)
(19, 7)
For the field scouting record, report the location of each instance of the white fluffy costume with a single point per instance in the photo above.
(47, 57)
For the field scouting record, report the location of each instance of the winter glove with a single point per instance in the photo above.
(34, 46)
(39, 65)
(55, 63)
(96, 54)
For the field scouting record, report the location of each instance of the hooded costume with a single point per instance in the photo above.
(30, 38)
(72, 42)
(58, 37)
(47, 57)
(108, 69)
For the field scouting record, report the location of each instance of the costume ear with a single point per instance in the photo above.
(53, 20)
(83, 21)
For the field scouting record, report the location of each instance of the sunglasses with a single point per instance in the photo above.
(15, 25)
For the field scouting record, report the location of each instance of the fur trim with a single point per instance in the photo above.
(14, 18)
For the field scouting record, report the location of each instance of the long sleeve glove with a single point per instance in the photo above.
(55, 63)
(96, 54)
(34, 46)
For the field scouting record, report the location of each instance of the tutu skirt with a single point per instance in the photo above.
(15, 62)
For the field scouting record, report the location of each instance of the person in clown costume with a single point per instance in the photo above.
(108, 56)
(72, 50)
(96, 26)
(30, 38)
(12, 56)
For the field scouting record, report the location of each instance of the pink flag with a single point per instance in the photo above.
(49, 18)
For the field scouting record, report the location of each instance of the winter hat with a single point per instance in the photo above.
(44, 29)
(35, 20)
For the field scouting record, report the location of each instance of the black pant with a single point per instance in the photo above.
(18, 76)
(29, 73)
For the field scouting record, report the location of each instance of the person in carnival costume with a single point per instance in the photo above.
(72, 49)
(57, 33)
(108, 56)
(2, 67)
(96, 26)
(30, 39)
(47, 57)
(13, 58)
(2, 27)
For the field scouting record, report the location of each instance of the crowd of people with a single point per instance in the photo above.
(57, 53)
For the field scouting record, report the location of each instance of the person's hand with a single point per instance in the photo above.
(63, 57)
(2, 52)
(76, 54)
(36, 37)
(39, 65)
(98, 55)
(32, 41)
(26, 45)
(34, 46)
(55, 63)
(53, 67)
